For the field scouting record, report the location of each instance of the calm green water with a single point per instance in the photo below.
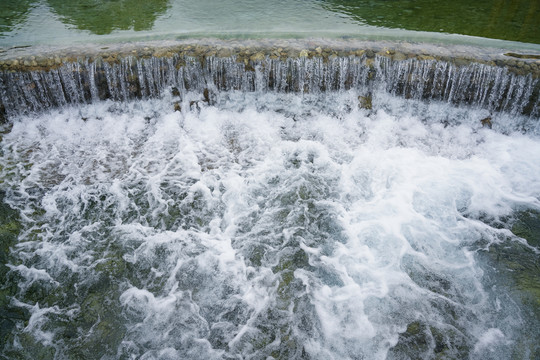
(516, 20)
(29, 22)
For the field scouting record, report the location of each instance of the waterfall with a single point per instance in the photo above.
(490, 87)
(265, 204)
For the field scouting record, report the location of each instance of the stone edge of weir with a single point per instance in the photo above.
(43, 58)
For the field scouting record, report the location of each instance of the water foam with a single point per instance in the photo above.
(268, 224)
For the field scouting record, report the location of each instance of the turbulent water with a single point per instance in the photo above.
(268, 225)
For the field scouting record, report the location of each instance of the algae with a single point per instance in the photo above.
(527, 227)
(10, 315)
(513, 267)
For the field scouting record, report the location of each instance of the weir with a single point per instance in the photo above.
(269, 199)
(490, 80)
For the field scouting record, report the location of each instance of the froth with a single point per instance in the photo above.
(267, 225)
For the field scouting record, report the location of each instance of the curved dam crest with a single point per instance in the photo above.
(34, 79)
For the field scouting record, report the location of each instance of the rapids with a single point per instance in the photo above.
(269, 225)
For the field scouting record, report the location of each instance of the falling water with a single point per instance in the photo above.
(168, 208)
(489, 87)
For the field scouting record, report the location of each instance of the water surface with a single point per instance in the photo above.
(27, 22)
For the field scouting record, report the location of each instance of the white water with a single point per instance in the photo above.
(283, 225)
(495, 89)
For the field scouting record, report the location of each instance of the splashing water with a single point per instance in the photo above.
(493, 88)
(268, 225)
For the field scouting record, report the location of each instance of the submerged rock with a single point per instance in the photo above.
(208, 96)
(10, 315)
(365, 102)
(527, 227)
(514, 268)
(486, 122)
(420, 340)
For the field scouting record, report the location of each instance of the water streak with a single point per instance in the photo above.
(489, 87)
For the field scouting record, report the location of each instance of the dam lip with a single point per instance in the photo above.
(36, 78)
(40, 57)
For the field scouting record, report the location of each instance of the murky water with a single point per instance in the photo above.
(269, 225)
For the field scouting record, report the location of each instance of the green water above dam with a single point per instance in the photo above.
(508, 24)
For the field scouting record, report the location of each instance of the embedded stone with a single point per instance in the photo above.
(365, 102)
(257, 57)
(486, 122)
(42, 61)
(399, 56)
(425, 57)
(224, 53)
